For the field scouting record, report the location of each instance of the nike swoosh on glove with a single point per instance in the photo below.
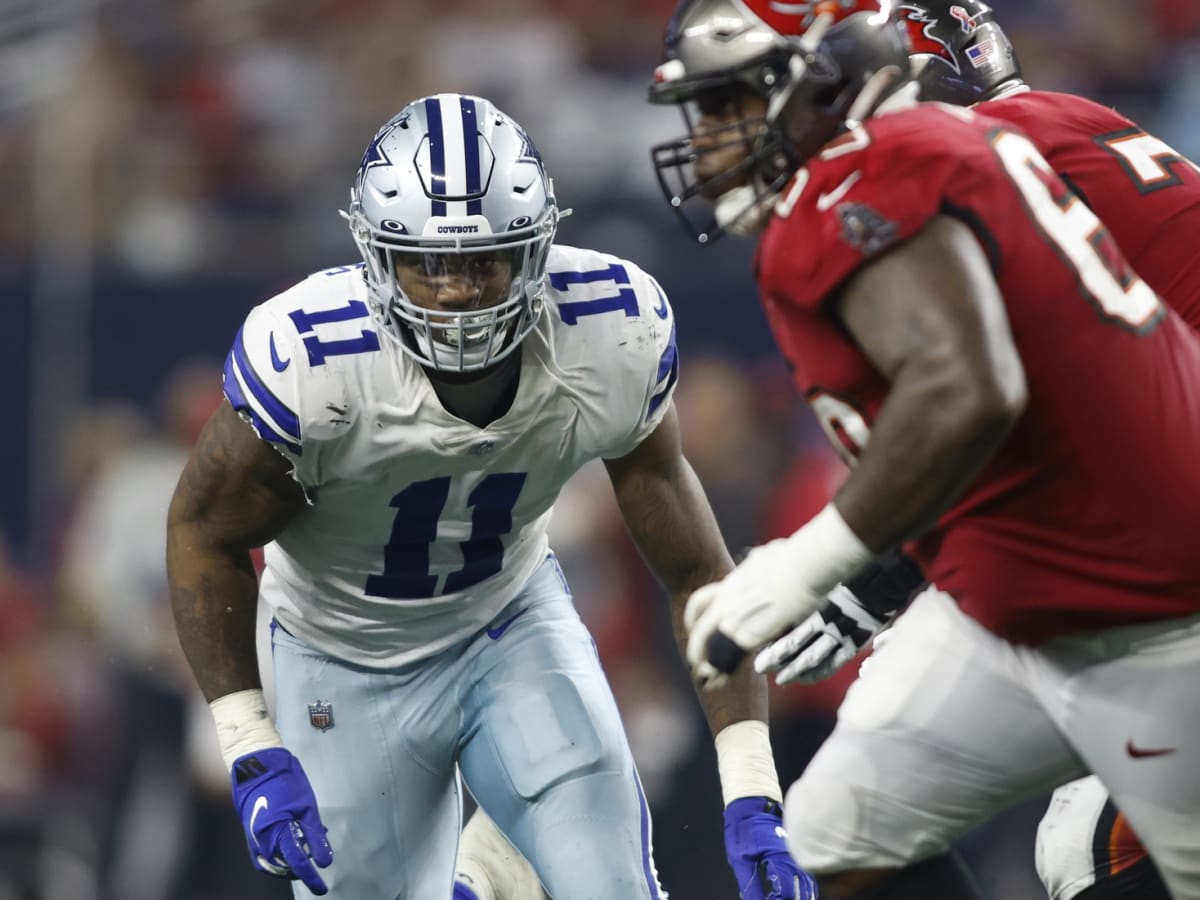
(853, 613)
(279, 815)
(756, 846)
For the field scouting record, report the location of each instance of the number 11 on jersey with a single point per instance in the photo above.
(419, 506)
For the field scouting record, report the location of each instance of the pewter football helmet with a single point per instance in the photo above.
(451, 191)
(817, 65)
(960, 55)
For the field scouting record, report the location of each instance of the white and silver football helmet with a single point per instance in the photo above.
(452, 206)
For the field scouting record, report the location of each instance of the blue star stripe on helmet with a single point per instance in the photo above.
(437, 155)
(283, 420)
(374, 155)
(470, 127)
(530, 152)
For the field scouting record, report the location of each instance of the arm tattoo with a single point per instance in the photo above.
(234, 494)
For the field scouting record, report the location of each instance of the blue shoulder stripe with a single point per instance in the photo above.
(668, 368)
(233, 391)
(666, 362)
(283, 420)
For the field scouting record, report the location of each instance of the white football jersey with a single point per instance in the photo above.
(420, 526)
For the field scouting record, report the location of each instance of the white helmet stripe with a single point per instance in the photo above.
(454, 158)
(472, 132)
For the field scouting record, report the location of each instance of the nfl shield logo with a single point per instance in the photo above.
(320, 714)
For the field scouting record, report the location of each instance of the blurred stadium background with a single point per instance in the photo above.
(166, 165)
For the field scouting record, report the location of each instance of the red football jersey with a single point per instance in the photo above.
(1089, 513)
(1147, 194)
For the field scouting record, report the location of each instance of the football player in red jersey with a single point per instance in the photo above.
(1148, 195)
(1033, 412)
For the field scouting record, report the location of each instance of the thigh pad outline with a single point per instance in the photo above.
(544, 737)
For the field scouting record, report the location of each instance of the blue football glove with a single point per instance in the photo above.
(756, 846)
(279, 814)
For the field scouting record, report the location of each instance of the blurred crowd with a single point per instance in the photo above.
(190, 158)
(221, 134)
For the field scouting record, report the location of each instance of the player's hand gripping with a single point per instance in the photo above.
(755, 844)
(768, 593)
(852, 614)
(755, 603)
(279, 814)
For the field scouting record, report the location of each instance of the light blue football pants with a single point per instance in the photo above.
(528, 718)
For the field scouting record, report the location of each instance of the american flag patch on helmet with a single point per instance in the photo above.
(982, 53)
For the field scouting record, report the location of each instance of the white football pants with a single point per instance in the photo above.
(950, 724)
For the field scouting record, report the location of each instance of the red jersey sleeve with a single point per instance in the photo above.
(871, 190)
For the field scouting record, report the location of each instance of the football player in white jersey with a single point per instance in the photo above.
(396, 434)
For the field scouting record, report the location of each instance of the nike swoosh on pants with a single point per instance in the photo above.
(498, 631)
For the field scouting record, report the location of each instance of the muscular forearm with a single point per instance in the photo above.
(683, 546)
(670, 521)
(214, 595)
(743, 697)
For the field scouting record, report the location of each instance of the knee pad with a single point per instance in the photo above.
(490, 866)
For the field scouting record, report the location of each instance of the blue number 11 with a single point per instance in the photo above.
(418, 507)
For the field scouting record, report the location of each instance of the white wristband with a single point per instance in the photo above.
(827, 551)
(243, 724)
(746, 763)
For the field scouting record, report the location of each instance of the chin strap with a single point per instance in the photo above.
(743, 211)
(808, 44)
(872, 97)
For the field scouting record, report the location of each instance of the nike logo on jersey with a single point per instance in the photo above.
(1140, 753)
(259, 805)
(661, 309)
(276, 363)
(496, 633)
(825, 202)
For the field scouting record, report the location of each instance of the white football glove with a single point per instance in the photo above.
(850, 617)
(821, 644)
(776, 586)
(751, 605)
